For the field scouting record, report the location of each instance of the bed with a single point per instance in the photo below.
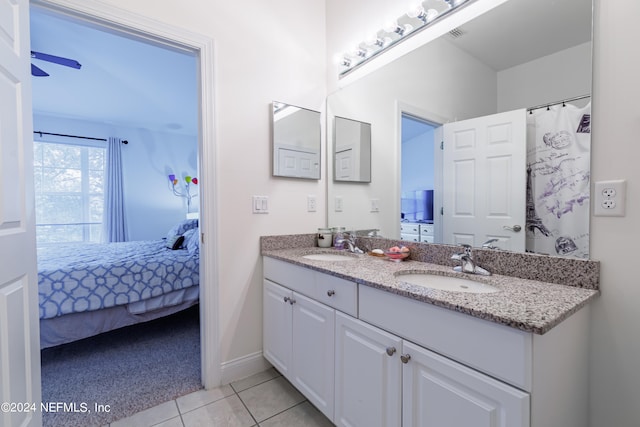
(87, 289)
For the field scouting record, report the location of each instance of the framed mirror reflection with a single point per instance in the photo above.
(296, 141)
(351, 150)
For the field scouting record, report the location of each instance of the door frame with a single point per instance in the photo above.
(139, 26)
(437, 121)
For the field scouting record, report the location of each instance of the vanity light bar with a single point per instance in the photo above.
(419, 17)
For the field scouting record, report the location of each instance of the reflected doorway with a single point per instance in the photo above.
(419, 178)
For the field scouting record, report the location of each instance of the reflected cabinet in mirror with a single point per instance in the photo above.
(351, 150)
(296, 141)
(481, 135)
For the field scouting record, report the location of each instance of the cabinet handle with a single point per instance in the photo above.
(287, 299)
(292, 301)
(331, 293)
(391, 351)
(405, 358)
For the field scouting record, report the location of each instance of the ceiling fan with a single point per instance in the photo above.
(39, 72)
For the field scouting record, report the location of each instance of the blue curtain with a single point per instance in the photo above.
(114, 215)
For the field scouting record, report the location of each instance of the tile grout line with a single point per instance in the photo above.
(285, 410)
(244, 404)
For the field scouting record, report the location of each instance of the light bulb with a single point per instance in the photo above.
(417, 12)
(391, 27)
(359, 52)
(431, 14)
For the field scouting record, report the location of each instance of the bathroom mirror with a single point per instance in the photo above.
(351, 150)
(296, 141)
(522, 54)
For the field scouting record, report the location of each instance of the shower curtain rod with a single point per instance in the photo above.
(73, 136)
(575, 98)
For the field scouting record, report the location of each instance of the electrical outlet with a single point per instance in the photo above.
(311, 203)
(375, 205)
(610, 198)
(338, 203)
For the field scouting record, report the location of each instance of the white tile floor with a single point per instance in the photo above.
(266, 400)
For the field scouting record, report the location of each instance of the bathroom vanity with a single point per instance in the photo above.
(368, 349)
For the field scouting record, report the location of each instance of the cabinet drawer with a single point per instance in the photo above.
(410, 237)
(292, 276)
(426, 229)
(500, 351)
(338, 293)
(410, 228)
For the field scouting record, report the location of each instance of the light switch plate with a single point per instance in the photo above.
(260, 204)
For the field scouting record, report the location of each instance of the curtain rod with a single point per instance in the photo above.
(73, 136)
(575, 98)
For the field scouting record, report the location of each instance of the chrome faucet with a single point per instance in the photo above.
(489, 244)
(350, 240)
(467, 263)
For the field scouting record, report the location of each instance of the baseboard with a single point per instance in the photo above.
(243, 367)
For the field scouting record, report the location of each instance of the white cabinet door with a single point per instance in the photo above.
(277, 318)
(368, 375)
(19, 327)
(439, 392)
(484, 178)
(313, 352)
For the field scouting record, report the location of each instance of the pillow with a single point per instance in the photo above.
(181, 227)
(192, 241)
(174, 242)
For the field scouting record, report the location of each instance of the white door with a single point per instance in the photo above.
(19, 327)
(345, 165)
(277, 315)
(484, 180)
(313, 352)
(368, 378)
(440, 392)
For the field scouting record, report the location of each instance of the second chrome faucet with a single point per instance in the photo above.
(467, 263)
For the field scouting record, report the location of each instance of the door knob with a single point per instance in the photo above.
(516, 228)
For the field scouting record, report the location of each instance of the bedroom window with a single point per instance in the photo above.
(69, 184)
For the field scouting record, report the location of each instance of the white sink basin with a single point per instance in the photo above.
(328, 257)
(446, 283)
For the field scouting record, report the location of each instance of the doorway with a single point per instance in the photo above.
(114, 20)
(419, 178)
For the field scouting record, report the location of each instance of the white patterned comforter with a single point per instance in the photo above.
(83, 277)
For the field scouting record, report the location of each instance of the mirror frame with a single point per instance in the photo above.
(301, 157)
(357, 197)
(363, 157)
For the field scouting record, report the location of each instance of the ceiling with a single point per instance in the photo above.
(124, 81)
(519, 31)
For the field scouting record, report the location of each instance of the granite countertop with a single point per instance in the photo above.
(528, 305)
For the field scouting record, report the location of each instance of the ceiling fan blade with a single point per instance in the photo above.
(56, 59)
(38, 72)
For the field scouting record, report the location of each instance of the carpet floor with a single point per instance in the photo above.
(129, 369)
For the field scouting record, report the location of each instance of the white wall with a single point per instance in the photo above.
(554, 77)
(615, 322)
(151, 208)
(417, 162)
(264, 51)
